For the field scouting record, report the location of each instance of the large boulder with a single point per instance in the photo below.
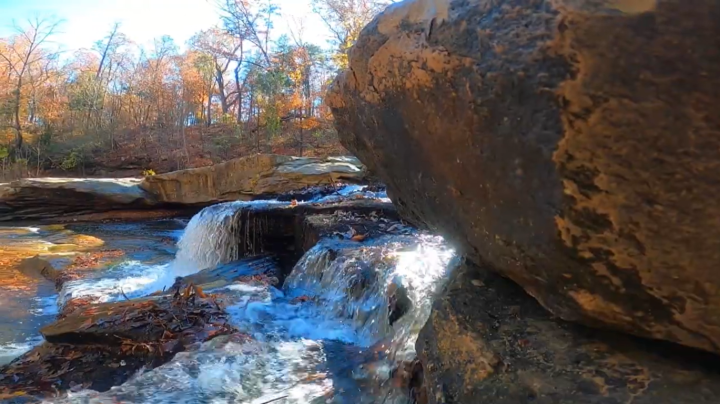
(572, 145)
(248, 178)
(487, 341)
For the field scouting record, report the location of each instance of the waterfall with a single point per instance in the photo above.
(212, 237)
(209, 239)
(346, 318)
(384, 291)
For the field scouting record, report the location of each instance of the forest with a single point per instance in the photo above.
(120, 108)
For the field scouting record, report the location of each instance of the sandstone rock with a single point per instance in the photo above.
(37, 268)
(248, 178)
(488, 342)
(572, 145)
(150, 320)
(42, 198)
(234, 272)
(172, 194)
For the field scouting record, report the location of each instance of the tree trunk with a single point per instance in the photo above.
(221, 90)
(208, 115)
(239, 93)
(16, 113)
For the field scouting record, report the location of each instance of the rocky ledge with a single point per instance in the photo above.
(176, 193)
(487, 341)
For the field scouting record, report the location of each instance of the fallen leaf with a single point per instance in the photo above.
(300, 299)
(87, 324)
(359, 237)
(199, 292)
(186, 293)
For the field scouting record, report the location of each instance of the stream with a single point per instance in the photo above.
(339, 330)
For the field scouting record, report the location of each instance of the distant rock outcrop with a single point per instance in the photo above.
(45, 198)
(248, 178)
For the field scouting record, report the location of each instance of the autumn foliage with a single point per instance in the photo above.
(120, 108)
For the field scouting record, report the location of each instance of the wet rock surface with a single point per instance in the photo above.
(571, 145)
(487, 341)
(244, 270)
(47, 198)
(102, 345)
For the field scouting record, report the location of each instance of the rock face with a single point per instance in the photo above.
(572, 145)
(40, 198)
(171, 194)
(248, 178)
(489, 342)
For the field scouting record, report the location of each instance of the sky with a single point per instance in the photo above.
(87, 21)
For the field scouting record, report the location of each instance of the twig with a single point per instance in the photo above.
(124, 295)
(274, 399)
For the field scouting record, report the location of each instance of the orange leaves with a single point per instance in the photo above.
(199, 292)
(359, 237)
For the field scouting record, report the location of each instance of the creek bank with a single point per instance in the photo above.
(180, 193)
(100, 345)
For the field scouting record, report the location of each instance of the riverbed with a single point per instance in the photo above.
(333, 332)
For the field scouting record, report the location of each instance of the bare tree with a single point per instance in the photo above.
(345, 19)
(252, 21)
(24, 52)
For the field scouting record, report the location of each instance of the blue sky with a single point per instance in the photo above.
(86, 21)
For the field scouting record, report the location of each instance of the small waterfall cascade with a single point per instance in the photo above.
(384, 291)
(212, 237)
(345, 319)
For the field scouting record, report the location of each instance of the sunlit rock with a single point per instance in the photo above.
(571, 145)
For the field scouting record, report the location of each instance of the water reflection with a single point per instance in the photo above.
(28, 300)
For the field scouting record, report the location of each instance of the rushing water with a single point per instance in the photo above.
(346, 317)
(337, 345)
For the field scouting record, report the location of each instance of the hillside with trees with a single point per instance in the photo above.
(235, 89)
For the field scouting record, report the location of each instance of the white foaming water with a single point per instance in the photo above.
(351, 191)
(357, 285)
(211, 238)
(321, 350)
(12, 350)
(130, 278)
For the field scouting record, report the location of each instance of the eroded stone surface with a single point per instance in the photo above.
(250, 177)
(176, 193)
(570, 144)
(489, 342)
(42, 198)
